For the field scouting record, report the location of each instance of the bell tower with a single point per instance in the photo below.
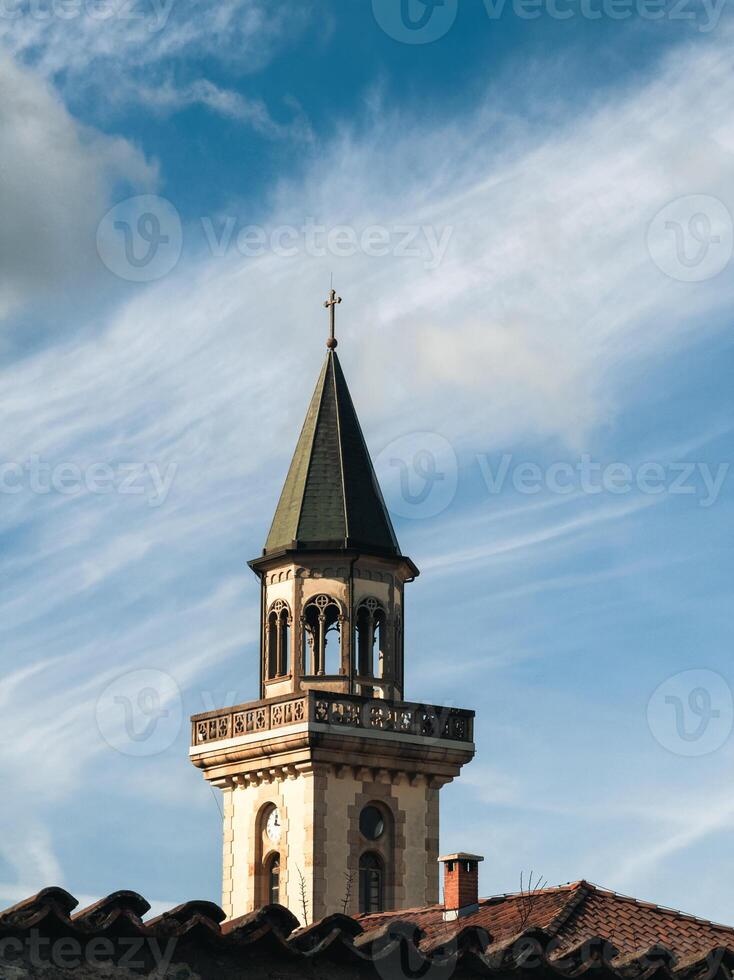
(331, 778)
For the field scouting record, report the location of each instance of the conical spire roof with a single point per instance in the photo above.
(331, 498)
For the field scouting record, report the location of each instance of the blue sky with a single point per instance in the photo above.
(555, 345)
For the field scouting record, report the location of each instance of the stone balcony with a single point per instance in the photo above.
(318, 726)
(340, 710)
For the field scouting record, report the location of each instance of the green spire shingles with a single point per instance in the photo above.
(322, 515)
(284, 528)
(331, 498)
(367, 516)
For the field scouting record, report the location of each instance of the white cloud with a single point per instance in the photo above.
(56, 179)
(543, 324)
(443, 562)
(545, 304)
(167, 97)
(241, 31)
(27, 849)
(122, 52)
(547, 300)
(673, 831)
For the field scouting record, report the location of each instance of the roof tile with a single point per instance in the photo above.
(572, 914)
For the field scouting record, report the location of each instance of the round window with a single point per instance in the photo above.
(371, 823)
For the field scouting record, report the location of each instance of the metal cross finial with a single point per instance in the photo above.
(331, 304)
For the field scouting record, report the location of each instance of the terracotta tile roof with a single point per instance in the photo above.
(571, 914)
(556, 934)
(631, 924)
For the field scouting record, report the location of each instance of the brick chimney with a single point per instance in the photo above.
(461, 885)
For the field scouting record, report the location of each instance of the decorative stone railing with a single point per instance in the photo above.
(340, 710)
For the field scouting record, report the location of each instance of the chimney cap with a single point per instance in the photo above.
(461, 856)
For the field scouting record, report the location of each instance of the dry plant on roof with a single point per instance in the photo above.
(527, 897)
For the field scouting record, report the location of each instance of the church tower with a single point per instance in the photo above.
(331, 779)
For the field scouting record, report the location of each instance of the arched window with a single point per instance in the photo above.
(371, 639)
(371, 884)
(277, 656)
(322, 620)
(272, 879)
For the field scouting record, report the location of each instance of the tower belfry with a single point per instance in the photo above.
(331, 779)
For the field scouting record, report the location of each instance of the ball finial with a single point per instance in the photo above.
(332, 343)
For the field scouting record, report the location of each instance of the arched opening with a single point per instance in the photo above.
(272, 645)
(371, 884)
(272, 879)
(398, 653)
(277, 655)
(269, 826)
(322, 621)
(371, 631)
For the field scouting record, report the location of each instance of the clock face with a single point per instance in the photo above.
(273, 828)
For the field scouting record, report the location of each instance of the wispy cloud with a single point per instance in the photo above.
(147, 53)
(169, 96)
(631, 832)
(546, 304)
(56, 180)
(245, 32)
(445, 561)
(701, 811)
